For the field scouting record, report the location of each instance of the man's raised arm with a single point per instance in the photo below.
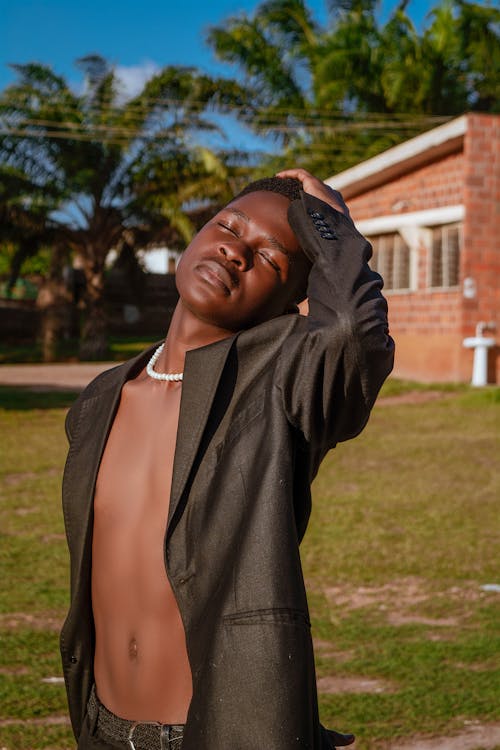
(331, 374)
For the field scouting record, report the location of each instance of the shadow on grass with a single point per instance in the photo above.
(24, 399)
(120, 348)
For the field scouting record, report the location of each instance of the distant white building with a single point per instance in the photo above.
(159, 259)
(153, 260)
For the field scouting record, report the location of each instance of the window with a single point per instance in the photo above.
(445, 256)
(391, 258)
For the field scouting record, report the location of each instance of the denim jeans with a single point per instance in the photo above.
(103, 730)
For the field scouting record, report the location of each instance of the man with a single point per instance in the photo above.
(187, 486)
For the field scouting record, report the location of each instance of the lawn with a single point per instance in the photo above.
(120, 348)
(403, 536)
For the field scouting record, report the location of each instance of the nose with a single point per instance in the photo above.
(236, 251)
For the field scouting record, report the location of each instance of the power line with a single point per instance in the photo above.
(75, 136)
(83, 131)
(146, 104)
(349, 149)
(70, 127)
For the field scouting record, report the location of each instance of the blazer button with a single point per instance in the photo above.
(317, 215)
(73, 659)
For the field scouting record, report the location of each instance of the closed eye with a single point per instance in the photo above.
(270, 261)
(229, 228)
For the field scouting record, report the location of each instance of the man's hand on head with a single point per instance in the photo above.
(316, 187)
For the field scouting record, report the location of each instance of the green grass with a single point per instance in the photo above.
(121, 348)
(24, 399)
(402, 537)
(33, 560)
(397, 387)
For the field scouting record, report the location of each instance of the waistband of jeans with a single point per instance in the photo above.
(137, 735)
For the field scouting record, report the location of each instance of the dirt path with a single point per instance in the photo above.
(474, 737)
(414, 397)
(46, 721)
(62, 376)
(76, 375)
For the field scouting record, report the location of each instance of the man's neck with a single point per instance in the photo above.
(186, 332)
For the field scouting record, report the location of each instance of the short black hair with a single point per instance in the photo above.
(287, 186)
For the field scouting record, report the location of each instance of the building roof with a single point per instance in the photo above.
(416, 152)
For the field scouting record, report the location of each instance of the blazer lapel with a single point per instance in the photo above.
(202, 371)
(84, 458)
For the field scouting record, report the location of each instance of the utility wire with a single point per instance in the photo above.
(126, 141)
(144, 106)
(74, 130)
(349, 149)
(71, 127)
(261, 120)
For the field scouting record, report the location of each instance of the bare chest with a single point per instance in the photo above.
(135, 474)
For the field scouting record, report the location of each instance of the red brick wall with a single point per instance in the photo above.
(481, 242)
(429, 326)
(435, 185)
(426, 328)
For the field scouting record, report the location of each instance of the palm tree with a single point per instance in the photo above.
(24, 227)
(112, 166)
(275, 50)
(464, 44)
(336, 94)
(23, 217)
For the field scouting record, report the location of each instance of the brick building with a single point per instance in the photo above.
(431, 209)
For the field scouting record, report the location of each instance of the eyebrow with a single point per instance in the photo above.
(272, 240)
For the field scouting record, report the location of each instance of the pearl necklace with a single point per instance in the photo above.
(171, 376)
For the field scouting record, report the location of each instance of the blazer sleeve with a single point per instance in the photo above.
(332, 368)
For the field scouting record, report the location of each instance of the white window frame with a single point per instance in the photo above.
(393, 243)
(416, 229)
(446, 257)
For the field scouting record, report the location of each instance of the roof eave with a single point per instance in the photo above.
(434, 144)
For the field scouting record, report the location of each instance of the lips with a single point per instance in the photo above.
(217, 273)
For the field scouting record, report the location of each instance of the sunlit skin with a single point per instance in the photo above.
(243, 268)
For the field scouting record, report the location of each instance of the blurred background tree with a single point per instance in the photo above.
(92, 168)
(83, 172)
(336, 94)
(26, 233)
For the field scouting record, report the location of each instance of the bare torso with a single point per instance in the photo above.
(141, 666)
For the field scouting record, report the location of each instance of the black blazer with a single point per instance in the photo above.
(259, 410)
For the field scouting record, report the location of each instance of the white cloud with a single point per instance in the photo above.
(133, 77)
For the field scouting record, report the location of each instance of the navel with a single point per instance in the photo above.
(132, 649)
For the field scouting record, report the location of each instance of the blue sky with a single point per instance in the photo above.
(134, 35)
(137, 37)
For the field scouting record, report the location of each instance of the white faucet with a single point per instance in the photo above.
(480, 343)
(482, 327)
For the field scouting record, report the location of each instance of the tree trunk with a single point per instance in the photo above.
(94, 344)
(54, 306)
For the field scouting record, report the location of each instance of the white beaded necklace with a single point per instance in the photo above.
(171, 376)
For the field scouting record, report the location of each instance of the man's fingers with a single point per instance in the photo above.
(298, 173)
(316, 187)
(308, 180)
(338, 739)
